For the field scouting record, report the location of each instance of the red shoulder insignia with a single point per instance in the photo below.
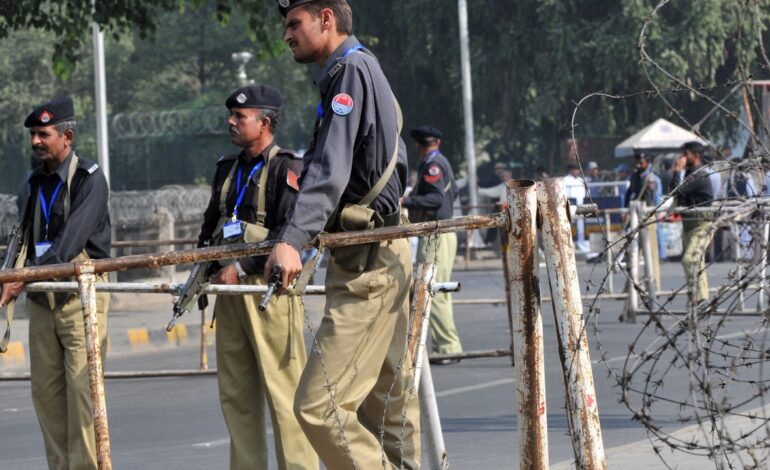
(433, 175)
(292, 179)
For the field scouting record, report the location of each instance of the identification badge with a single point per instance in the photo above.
(41, 248)
(232, 229)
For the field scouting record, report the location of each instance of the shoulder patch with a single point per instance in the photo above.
(93, 168)
(342, 104)
(292, 179)
(433, 175)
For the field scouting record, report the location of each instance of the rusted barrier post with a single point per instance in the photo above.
(87, 282)
(527, 327)
(420, 316)
(423, 380)
(204, 342)
(582, 410)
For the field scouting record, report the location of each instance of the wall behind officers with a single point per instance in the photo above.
(355, 400)
(431, 200)
(66, 210)
(260, 355)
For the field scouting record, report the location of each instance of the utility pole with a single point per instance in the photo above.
(241, 59)
(100, 80)
(470, 144)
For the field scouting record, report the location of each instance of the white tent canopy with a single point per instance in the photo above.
(660, 135)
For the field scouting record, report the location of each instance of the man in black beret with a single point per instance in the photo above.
(67, 220)
(356, 401)
(432, 199)
(260, 355)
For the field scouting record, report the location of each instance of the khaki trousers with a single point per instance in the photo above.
(356, 400)
(61, 391)
(443, 332)
(695, 241)
(260, 356)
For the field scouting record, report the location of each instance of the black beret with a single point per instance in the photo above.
(286, 5)
(255, 96)
(424, 133)
(53, 112)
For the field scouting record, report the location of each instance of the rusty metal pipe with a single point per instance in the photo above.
(583, 414)
(332, 240)
(423, 381)
(174, 288)
(527, 325)
(87, 280)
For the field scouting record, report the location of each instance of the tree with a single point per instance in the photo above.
(533, 59)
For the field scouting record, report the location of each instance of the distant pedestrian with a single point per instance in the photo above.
(692, 188)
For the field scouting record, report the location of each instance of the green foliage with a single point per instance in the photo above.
(534, 59)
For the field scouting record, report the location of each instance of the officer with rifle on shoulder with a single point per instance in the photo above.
(65, 219)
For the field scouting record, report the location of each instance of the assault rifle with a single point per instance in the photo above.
(9, 262)
(196, 283)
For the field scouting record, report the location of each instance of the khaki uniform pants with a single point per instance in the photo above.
(363, 352)
(61, 391)
(443, 331)
(696, 241)
(260, 356)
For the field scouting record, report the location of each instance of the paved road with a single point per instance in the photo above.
(176, 423)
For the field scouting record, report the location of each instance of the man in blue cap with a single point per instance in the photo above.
(431, 200)
(260, 355)
(68, 220)
(356, 400)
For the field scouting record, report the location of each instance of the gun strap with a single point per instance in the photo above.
(307, 272)
(261, 190)
(383, 181)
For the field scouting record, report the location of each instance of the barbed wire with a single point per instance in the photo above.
(141, 125)
(722, 415)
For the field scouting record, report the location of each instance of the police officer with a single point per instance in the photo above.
(67, 214)
(357, 389)
(260, 355)
(432, 199)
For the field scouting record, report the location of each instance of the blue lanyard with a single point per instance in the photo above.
(353, 49)
(46, 206)
(357, 47)
(242, 191)
(432, 154)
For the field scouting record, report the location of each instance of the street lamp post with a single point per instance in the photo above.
(241, 59)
